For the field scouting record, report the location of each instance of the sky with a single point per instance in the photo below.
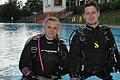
(3, 1)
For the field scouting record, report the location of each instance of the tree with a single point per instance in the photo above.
(32, 6)
(8, 11)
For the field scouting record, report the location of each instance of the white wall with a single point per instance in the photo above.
(49, 7)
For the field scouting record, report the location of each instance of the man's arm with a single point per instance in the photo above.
(114, 51)
(75, 53)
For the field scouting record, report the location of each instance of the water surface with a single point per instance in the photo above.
(13, 37)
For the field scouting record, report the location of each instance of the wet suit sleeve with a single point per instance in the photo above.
(65, 60)
(114, 48)
(25, 63)
(64, 49)
(75, 56)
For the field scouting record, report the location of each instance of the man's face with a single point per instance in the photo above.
(51, 29)
(91, 15)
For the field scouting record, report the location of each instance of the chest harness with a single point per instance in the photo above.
(37, 48)
(82, 38)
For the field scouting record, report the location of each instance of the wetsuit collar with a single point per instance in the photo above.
(48, 41)
(91, 28)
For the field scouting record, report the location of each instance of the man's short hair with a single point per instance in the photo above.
(91, 3)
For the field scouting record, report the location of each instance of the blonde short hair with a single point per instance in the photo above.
(51, 18)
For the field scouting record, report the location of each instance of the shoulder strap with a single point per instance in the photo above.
(105, 29)
(33, 38)
(29, 40)
(81, 33)
(60, 45)
(39, 53)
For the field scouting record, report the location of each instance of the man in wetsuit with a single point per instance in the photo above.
(43, 55)
(91, 47)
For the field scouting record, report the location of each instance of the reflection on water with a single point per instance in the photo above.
(12, 40)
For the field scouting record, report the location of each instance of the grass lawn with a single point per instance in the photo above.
(110, 17)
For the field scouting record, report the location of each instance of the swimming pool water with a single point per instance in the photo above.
(13, 37)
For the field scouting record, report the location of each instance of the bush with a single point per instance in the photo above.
(114, 5)
(77, 10)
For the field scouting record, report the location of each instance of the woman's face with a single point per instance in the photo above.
(51, 29)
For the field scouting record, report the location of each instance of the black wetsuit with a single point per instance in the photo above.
(52, 52)
(92, 51)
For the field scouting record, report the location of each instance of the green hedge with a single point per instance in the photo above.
(77, 10)
(114, 5)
